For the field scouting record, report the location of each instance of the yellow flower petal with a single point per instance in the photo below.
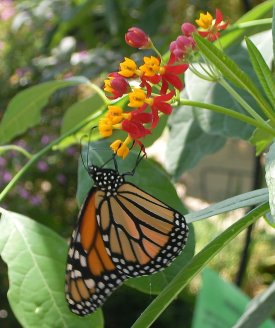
(205, 21)
(127, 68)
(137, 98)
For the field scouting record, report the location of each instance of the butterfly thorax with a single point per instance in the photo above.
(105, 179)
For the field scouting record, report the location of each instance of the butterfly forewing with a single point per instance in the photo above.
(91, 276)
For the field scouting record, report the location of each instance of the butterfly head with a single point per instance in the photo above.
(105, 179)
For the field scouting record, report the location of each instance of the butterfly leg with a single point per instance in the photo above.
(138, 160)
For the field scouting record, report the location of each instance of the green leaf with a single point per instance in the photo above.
(257, 12)
(24, 110)
(261, 140)
(258, 310)
(158, 130)
(226, 66)
(188, 143)
(262, 70)
(199, 261)
(82, 110)
(270, 177)
(248, 199)
(213, 123)
(150, 177)
(36, 256)
(270, 219)
(113, 16)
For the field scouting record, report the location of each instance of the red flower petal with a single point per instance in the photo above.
(164, 108)
(174, 80)
(219, 17)
(176, 69)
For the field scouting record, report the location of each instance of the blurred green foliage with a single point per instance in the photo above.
(52, 39)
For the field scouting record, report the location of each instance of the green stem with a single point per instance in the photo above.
(206, 77)
(99, 92)
(156, 50)
(16, 148)
(246, 25)
(191, 269)
(42, 152)
(242, 102)
(231, 113)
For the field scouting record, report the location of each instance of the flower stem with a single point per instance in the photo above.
(226, 111)
(99, 92)
(247, 25)
(156, 50)
(16, 148)
(242, 102)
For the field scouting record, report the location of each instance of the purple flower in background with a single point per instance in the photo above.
(6, 176)
(21, 143)
(71, 151)
(3, 162)
(35, 200)
(23, 192)
(61, 178)
(42, 166)
(46, 139)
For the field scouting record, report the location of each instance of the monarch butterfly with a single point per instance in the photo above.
(121, 232)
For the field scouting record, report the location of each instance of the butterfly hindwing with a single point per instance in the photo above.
(91, 275)
(142, 234)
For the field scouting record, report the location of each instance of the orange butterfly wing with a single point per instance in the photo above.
(91, 275)
(142, 234)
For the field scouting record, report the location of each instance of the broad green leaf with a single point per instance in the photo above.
(270, 177)
(24, 110)
(248, 199)
(257, 12)
(261, 140)
(199, 261)
(82, 110)
(36, 256)
(262, 70)
(150, 177)
(230, 70)
(157, 132)
(188, 143)
(87, 113)
(258, 310)
(209, 121)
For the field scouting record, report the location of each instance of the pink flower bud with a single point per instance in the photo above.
(183, 42)
(137, 38)
(188, 28)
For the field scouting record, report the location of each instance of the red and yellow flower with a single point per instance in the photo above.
(151, 86)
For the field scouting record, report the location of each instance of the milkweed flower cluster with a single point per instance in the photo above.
(152, 86)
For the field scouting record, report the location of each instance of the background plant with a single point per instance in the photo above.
(57, 61)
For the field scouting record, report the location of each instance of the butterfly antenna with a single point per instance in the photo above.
(82, 159)
(89, 141)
